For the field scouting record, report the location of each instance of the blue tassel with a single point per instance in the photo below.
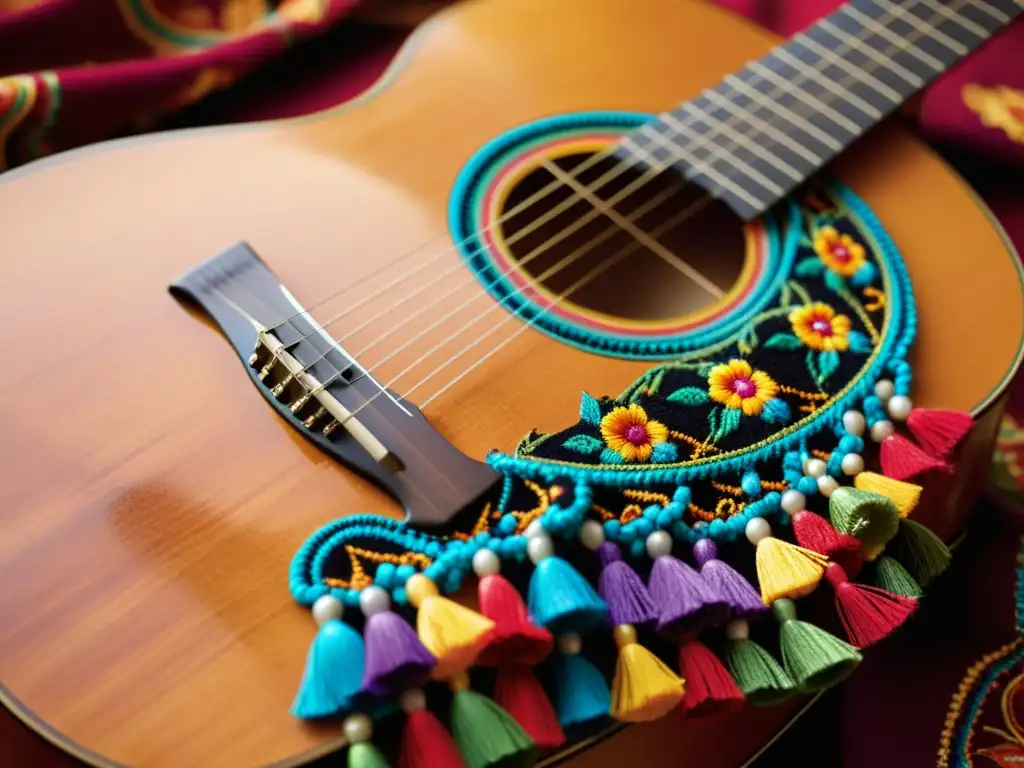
(561, 600)
(334, 672)
(581, 692)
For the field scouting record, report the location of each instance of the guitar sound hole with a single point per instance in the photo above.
(657, 251)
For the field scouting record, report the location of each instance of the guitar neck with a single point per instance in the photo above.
(763, 131)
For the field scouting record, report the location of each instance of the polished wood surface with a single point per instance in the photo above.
(151, 501)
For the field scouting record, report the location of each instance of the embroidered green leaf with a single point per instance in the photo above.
(812, 367)
(705, 368)
(785, 341)
(828, 363)
(689, 396)
(805, 242)
(728, 423)
(590, 411)
(835, 282)
(859, 342)
(713, 422)
(811, 267)
(608, 456)
(585, 444)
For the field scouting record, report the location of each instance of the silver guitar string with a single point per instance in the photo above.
(909, 40)
(594, 159)
(709, 161)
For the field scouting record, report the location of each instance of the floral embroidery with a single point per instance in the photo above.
(628, 432)
(736, 385)
(999, 107)
(840, 253)
(819, 327)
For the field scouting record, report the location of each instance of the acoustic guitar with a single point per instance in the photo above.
(555, 405)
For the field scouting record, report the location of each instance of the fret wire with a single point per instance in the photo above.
(926, 58)
(818, 76)
(953, 16)
(856, 72)
(936, 33)
(706, 168)
(812, 101)
(867, 50)
(770, 129)
(770, 157)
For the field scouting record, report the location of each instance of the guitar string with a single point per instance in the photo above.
(386, 386)
(614, 172)
(473, 321)
(544, 192)
(676, 220)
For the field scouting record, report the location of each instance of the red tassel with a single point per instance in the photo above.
(902, 460)
(426, 743)
(519, 693)
(939, 430)
(815, 533)
(868, 614)
(515, 639)
(710, 688)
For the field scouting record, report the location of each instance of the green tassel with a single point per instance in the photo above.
(763, 681)
(365, 755)
(925, 554)
(871, 518)
(894, 578)
(813, 658)
(485, 733)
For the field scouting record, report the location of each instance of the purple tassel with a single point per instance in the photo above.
(686, 602)
(623, 590)
(395, 657)
(743, 600)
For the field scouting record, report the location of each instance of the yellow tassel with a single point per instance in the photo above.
(644, 687)
(453, 633)
(786, 570)
(904, 495)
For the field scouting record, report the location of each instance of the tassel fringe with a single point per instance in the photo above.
(561, 600)
(894, 578)
(644, 687)
(425, 742)
(868, 615)
(519, 693)
(761, 678)
(902, 460)
(939, 431)
(334, 672)
(454, 634)
(515, 639)
(710, 688)
(925, 554)
(813, 658)
(869, 517)
(904, 495)
(786, 570)
(485, 733)
(581, 692)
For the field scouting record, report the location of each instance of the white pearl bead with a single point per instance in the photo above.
(757, 529)
(793, 502)
(358, 728)
(592, 534)
(852, 464)
(884, 389)
(854, 423)
(815, 468)
(737, 630)
(327, 608)
(900, 407)
(659, 544)
(881, 430)
(536, 528)
(412, 700)
(374, 600)
(540, 547)
(570, 644)
(486, 563)
(827, 484)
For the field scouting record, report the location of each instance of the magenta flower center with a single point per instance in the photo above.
(744, 387)
(637, 434)
(822, 327)
(841, 253)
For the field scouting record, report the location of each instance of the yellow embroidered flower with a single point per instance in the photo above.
(819, 327)
(736, 385)
(840, 253)
(629, 432)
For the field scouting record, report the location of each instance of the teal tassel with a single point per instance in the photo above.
(334, 672)
(561, 600)
(581, 692)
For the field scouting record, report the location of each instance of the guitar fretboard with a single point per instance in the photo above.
(763, 131)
